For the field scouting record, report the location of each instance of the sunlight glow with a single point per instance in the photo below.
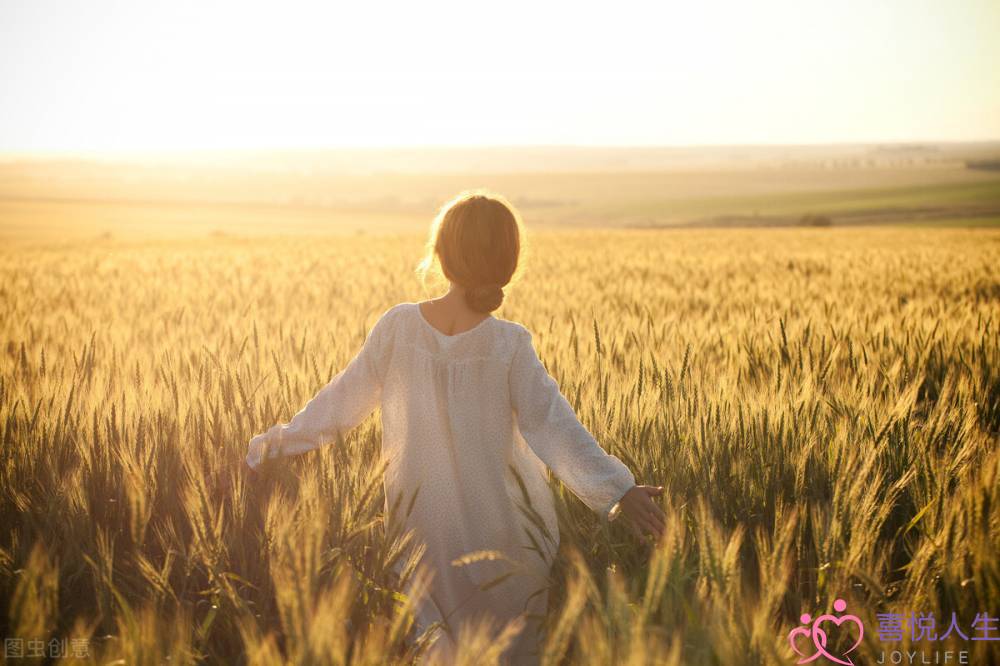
(118, 76)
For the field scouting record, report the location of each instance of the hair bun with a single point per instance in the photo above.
(484, 298)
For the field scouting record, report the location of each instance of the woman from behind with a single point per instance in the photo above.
(472, 424)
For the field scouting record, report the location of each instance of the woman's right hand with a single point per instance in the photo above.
(643, 513)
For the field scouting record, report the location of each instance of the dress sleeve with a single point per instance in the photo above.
(339, 406)
(551, 428)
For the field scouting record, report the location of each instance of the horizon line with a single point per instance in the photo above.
(124, 152)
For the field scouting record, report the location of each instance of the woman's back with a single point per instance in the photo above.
(449, 432)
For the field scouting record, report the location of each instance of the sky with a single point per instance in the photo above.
(81, 76)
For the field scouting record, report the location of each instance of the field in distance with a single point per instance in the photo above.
(318, 192)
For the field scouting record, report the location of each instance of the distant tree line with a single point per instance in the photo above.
(986, 165)
(814, 220)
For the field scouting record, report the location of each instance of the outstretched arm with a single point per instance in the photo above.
(551, 428)
(339, 406)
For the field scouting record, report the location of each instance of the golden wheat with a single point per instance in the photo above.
(822, 406)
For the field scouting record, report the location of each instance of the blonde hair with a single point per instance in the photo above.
(475, 239)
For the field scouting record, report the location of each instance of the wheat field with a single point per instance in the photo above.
(821, 405)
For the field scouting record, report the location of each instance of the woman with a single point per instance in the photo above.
(470, 422)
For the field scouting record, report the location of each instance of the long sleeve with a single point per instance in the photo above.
(339, 406)
(552, 430)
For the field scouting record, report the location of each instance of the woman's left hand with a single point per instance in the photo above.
(643, 513)
(247, 470)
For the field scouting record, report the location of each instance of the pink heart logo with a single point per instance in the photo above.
(815, 630)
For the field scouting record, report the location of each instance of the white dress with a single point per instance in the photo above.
(459, 413)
